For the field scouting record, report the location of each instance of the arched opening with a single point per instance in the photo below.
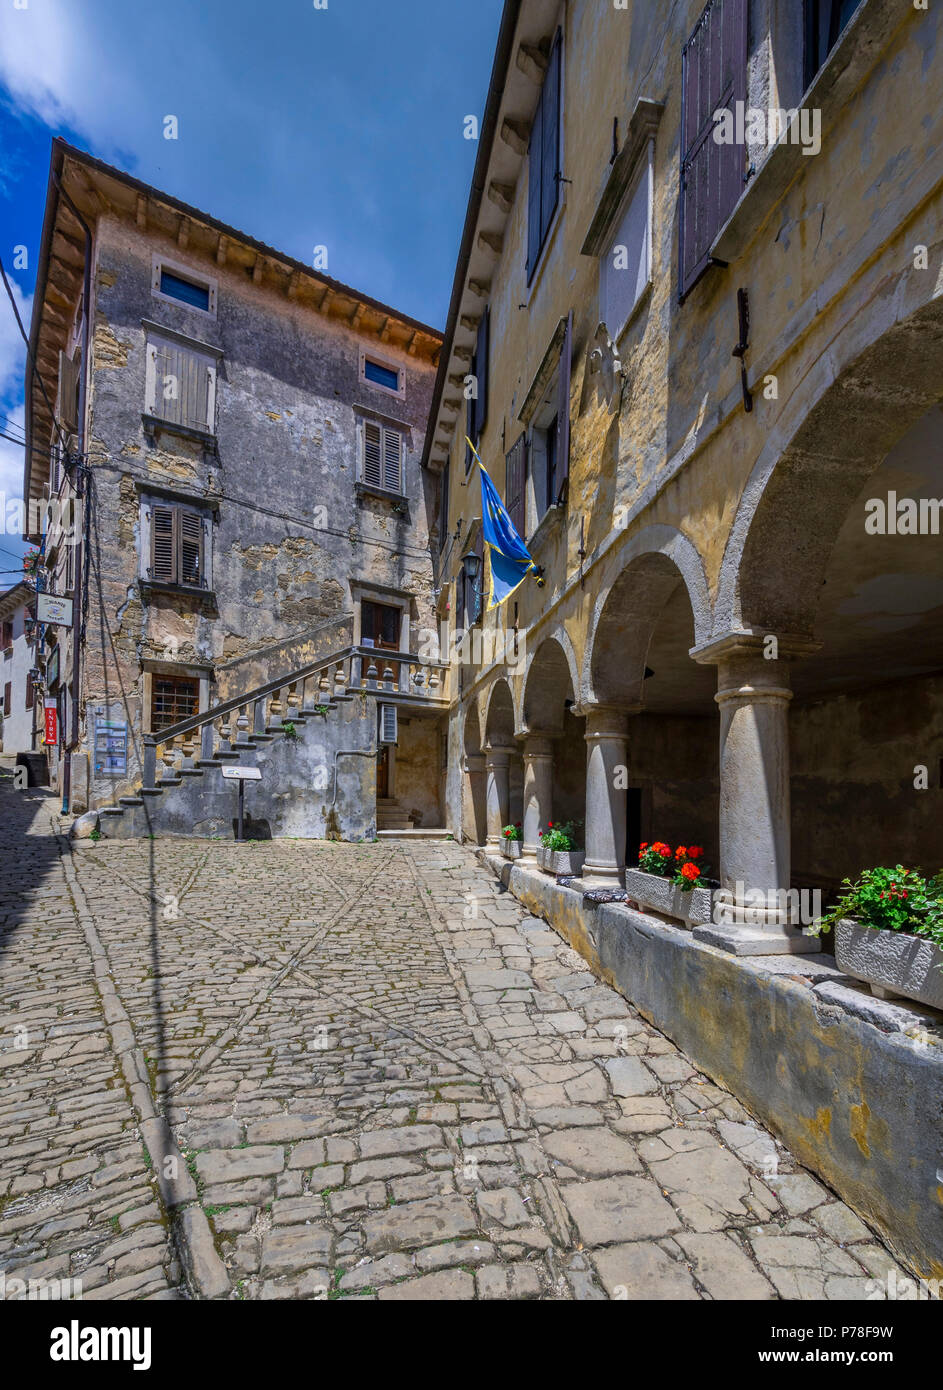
(474, 825)
(640, 662)
(505, 779)
(549, 700)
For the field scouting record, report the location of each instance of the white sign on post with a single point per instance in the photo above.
(242, 774)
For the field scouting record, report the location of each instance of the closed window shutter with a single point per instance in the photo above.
(514, 485)
(7, 697)
(29, 691)
(460, 600)
(476, 603)
(444, 506)
(163, 553)
(550, 152)
(714, 74)
(470, 429)
(392, 460)
(68, 391)
(191, 548)
(534, 161)
(372, 454)
(562, 461)
(182, 394)
(481, 374)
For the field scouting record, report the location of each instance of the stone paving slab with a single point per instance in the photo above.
(382, 1080)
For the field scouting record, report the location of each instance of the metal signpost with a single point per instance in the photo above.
(242, 775)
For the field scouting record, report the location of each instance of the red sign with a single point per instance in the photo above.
(52, 731)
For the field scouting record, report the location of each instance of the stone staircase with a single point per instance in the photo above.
(313, 736)
(391, 816)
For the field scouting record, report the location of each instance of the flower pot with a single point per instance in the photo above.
(541, 856)
(893, 963)
(562, 861)
(661, 895)
(511, 849)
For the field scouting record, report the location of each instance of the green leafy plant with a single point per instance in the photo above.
(895, 899)
(95, 835)
(561, 839)
(289, 730)
(322, 710)
(513, 832)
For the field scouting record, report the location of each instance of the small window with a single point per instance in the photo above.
(380, 625)
(177, 550)
(178, 284)
(381, 464)
(181, 385)
(6, 636)
(383, 373)
(173, 698)
(7, 698)
(825, 22)
(29, 691)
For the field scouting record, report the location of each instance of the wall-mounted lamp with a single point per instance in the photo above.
(472, 565)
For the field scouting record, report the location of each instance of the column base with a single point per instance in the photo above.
(758, 941)
(602, 876)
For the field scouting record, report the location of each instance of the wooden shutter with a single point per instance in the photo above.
(481, 373)
(562, 462)
(182, 387)
(29, 691)
(477, 604)
(534, 163)
(7, 697)
(68, 387)
(444, 505)
(713, 76)
(550, 139)
(460, 600)
(372, 454)
(190, 548)
(469, 430)
(163, 551)
(392, 460)
(514, 484)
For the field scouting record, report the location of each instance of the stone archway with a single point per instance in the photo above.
(504, 781)
(552, 742)
(474, 826)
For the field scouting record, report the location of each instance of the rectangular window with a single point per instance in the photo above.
(177, 546)
(180, 284)
(514, 485)
(444, 506)
(384, 373)
(181, 385)
(543, 161)
(825, 20)
(29, 691)
(626, 265)
(7, 698)
(381, 463)
(173, 698)
(380, 624)
(476, 412)
(6, 635)
(713, 77)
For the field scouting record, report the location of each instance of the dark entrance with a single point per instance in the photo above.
(379, 624)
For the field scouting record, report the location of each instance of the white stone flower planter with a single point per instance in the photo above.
(511, 849)
(893, 963)
(561, 861)
(661, 895)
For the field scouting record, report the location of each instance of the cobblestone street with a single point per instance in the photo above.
(321, 1070)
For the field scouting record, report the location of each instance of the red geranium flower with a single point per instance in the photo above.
(690, 872)
(663, 850)
(680, 852)
(695, 851)
(643, 847)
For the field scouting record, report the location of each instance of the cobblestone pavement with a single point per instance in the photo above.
(310, 1070)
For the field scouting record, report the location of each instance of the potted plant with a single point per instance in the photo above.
(560, 853)
(671, 882)
(889, 933)
(511, 837)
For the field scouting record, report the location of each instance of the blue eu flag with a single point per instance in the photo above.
(510, 558)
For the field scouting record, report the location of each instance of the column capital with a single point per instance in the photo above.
(474, 762)
(536, 745)
(753, 645)
(498, 754)
(607, 721)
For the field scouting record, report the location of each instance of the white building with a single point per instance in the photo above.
(22, 713)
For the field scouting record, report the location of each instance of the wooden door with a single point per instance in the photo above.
(379, 624)
(383, 772)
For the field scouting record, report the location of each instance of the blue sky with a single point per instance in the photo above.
(340, 127)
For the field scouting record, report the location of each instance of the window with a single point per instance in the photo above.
(384, 373)
(543, 161)
(177, 548)
(181, 384)
(547, 410)
(381, 461)
(173, 698)
(6, 635)
(515, 465)
(179, 284)
(29, 691)
(444, 506)
(825, 20)
(7, 698)
(476, 413)
(626, 265)
(380, 624)
(714, 76)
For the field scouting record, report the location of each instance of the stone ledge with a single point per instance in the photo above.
(852, 1084)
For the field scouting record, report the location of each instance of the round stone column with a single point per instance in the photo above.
(474, 801)
(606, 753)
(497, 760)
(538, 792)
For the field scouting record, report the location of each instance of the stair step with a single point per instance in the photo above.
(421, 833)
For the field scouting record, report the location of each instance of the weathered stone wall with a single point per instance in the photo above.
(289, 534)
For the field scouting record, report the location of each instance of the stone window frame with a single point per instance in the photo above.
(207, 353)
(385, 594)
(533, 280)
(382, 360)
(150, 494)
(363, 417)
(160, 262)
(185, 670)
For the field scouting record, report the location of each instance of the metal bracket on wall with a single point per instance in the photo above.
(743, 315)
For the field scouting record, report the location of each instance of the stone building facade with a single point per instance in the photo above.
(252, 506)
(703, 366)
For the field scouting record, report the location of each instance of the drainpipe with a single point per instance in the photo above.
(81, 578)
